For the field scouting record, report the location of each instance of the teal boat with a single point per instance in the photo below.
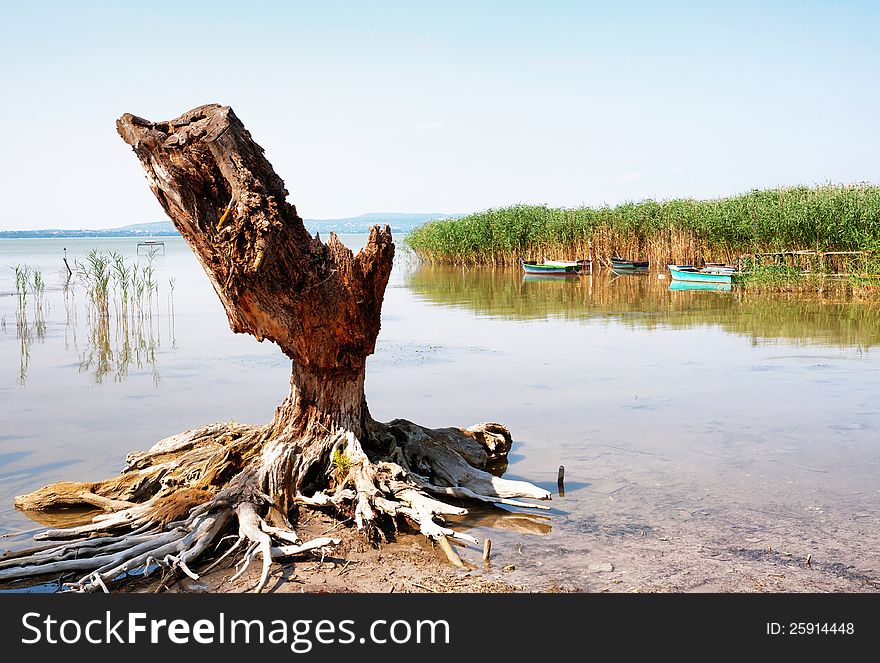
(706, 275)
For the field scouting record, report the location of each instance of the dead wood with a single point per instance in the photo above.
(173, 504)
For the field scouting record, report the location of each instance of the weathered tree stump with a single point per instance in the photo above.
(321, 304)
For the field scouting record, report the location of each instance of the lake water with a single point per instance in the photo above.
(714, 419)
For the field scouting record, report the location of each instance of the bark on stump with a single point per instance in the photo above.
(321, 304)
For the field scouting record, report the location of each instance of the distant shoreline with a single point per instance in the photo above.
(107, 234)
(77, 234)
(400, 222)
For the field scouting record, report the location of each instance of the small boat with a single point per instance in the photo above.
(692, 274)
(557, 267)
(621, 264)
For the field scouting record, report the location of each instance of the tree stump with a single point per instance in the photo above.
(321, 304)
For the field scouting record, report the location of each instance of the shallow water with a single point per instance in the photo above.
(664, 406)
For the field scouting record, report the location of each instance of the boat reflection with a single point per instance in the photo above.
(651, 303)
(531, 278)
(693, 285)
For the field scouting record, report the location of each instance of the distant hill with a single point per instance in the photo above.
(153, 229)
(355, 225)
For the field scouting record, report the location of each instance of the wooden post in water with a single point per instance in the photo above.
(560, 481)
(69, 272)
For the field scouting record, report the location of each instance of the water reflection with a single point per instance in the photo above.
(30, 313)
(497, 518)
(111, 316)
(649, 302)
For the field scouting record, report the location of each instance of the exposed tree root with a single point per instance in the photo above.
(173, 504)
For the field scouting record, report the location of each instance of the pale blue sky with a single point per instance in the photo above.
(442, 106)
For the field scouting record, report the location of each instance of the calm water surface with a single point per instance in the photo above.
(662, 405)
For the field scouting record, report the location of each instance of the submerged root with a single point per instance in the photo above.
(173, 505)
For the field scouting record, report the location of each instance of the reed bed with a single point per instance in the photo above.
(121, 307)
(825, 218)
(29, 281)
(126, 294)
(22, 276)
(29, 286)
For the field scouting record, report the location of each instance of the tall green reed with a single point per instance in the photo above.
(126, 293)
(825, 218)
(22, 275)
(22, 328)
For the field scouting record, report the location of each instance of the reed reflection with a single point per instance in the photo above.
(645, 301)
(122, 312)
(29, 281)
(111, 315)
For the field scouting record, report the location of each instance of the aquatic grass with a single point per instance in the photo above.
(127, 293)
(22, 329)
(22, 273)
(121, 300)
(825, 218)
(37, 285)
(38, 289)
(70, 316)
(171, 284)
(96, 274)
(122, 280)
(24, 356)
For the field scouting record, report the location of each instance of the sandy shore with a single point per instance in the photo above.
(694, 557)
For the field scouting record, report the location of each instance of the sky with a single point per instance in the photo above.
(446, 106)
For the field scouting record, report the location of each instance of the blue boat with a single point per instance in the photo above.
(692, 274)
(557, 267)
